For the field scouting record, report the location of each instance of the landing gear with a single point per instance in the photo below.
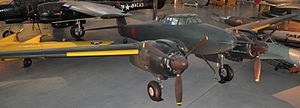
(125, 40)
(225, 71)
(154, 91)
(77, 31)
(27, 62)
(7, 33)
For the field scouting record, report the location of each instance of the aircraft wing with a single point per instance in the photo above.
(68, 49)
(258, 25)
(95, 9)
(284, 5)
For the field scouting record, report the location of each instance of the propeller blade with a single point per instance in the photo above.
(156, 51)
(197, 46)
(155, 3)
(257, 67)
(178, 89)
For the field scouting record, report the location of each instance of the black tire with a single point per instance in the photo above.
(154, 91)
(27, 62)
(76, 32)
(124, 41)
(7, 33)
(226, 74)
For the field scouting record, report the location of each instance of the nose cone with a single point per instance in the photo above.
(179, 63)
(260, 47)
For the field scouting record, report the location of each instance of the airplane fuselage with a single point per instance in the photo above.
(189, 35)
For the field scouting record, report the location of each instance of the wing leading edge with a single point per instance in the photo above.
(258, 25)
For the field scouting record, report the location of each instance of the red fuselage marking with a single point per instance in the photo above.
(133, 32)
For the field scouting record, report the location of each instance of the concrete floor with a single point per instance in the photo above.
(112, 82)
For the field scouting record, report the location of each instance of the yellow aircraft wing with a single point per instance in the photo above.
(34, 48)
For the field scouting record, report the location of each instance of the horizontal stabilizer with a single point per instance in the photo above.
(10, 38)
(36, 39)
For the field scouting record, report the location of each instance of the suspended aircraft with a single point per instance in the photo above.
(289, 4)
(64, 14)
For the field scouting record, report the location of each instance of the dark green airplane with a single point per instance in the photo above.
(186, 30)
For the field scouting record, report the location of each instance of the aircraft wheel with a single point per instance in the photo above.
(154, 91)
(77, 32)
(7, 33)
(226, 73)
(124, 41)
(27, 62)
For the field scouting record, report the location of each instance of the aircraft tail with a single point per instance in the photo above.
(10, 38)
(36, 39)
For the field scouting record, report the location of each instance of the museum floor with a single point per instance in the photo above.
(112, 82)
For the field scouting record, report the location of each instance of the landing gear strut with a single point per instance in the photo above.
(225, 71)
(7, 32)
(27, 62)
(154, 91)
(77, 31)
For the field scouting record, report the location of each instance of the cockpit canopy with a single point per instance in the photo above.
(180, 19)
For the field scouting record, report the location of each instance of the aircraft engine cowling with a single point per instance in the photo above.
(55, 11)
(243, 50)
(11, 12)
(158, 66)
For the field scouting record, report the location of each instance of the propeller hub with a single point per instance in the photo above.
(260, 47)
(179, 63)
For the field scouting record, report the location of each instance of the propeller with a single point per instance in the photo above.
(259, 47)
(178, 63)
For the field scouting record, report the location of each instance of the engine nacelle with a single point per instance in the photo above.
(240, 52)
(55, 11)
(158, 66)
(11, 12)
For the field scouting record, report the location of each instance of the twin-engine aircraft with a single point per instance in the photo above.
(72, 13)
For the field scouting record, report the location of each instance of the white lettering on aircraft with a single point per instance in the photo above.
(293, 35)
(134, 5)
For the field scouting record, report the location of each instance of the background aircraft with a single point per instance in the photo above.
(282, 57)
(289, 38)
(63, 14)
(289, 4)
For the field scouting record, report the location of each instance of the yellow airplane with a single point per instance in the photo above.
(12, 49)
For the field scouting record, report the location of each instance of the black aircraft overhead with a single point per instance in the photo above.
(64, 14)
